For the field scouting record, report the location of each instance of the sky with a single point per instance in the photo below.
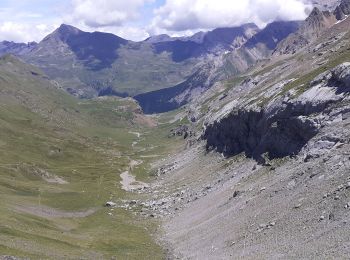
(32, 20)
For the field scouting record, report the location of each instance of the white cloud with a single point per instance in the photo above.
(182, 15)
(103, 13)
(134, 20)
(128, 32)
(119, 17)
(21, 32)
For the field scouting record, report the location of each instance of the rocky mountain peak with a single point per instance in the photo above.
(67, 29)
(312, 27)
(63, 33)
(318, 17)
(315, 13)
(342, 10)
(316, 22)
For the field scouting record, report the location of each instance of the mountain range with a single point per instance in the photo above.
(101, 64)
(228, 144)
(94, 64)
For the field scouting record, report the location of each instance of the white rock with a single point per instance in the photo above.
(110, 204)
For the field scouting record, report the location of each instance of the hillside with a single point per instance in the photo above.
(60, 163)
(266, 173)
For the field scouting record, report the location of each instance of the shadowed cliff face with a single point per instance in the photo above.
(160, 101)
(97, 50)
(342, 10)
(256, 133)
(273, 34)
(180, 50)
(168, 99)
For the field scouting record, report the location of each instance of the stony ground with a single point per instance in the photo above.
(295, 206)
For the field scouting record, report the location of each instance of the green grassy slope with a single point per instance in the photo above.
(60, 160)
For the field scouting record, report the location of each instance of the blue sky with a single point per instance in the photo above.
(31, 20)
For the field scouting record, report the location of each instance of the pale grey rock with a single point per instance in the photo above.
(110, 204)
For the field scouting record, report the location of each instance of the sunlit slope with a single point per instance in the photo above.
(59, 163)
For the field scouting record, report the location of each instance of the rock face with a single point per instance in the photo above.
(309, 30)
(110, 204)
(318, 21)
(257, 132)
(340, 76)
(284, 126)
(342, 10)
(181, 130)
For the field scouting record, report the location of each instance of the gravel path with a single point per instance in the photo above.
(129, 182)
(47, 212)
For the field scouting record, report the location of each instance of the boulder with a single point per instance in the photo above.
(110, 204)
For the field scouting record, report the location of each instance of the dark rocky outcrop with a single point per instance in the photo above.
(259, 132)
(181, 130)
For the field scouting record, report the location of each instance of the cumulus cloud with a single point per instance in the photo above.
(128, 32)
(105, 13)
(137, 19)
(22, 32)
(182, 15)
(119, 17)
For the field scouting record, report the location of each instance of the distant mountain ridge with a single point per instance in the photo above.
(277, 38)
(7, 47)
(168, 69)
(239, 59)
(213, 42)
(92, 64)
